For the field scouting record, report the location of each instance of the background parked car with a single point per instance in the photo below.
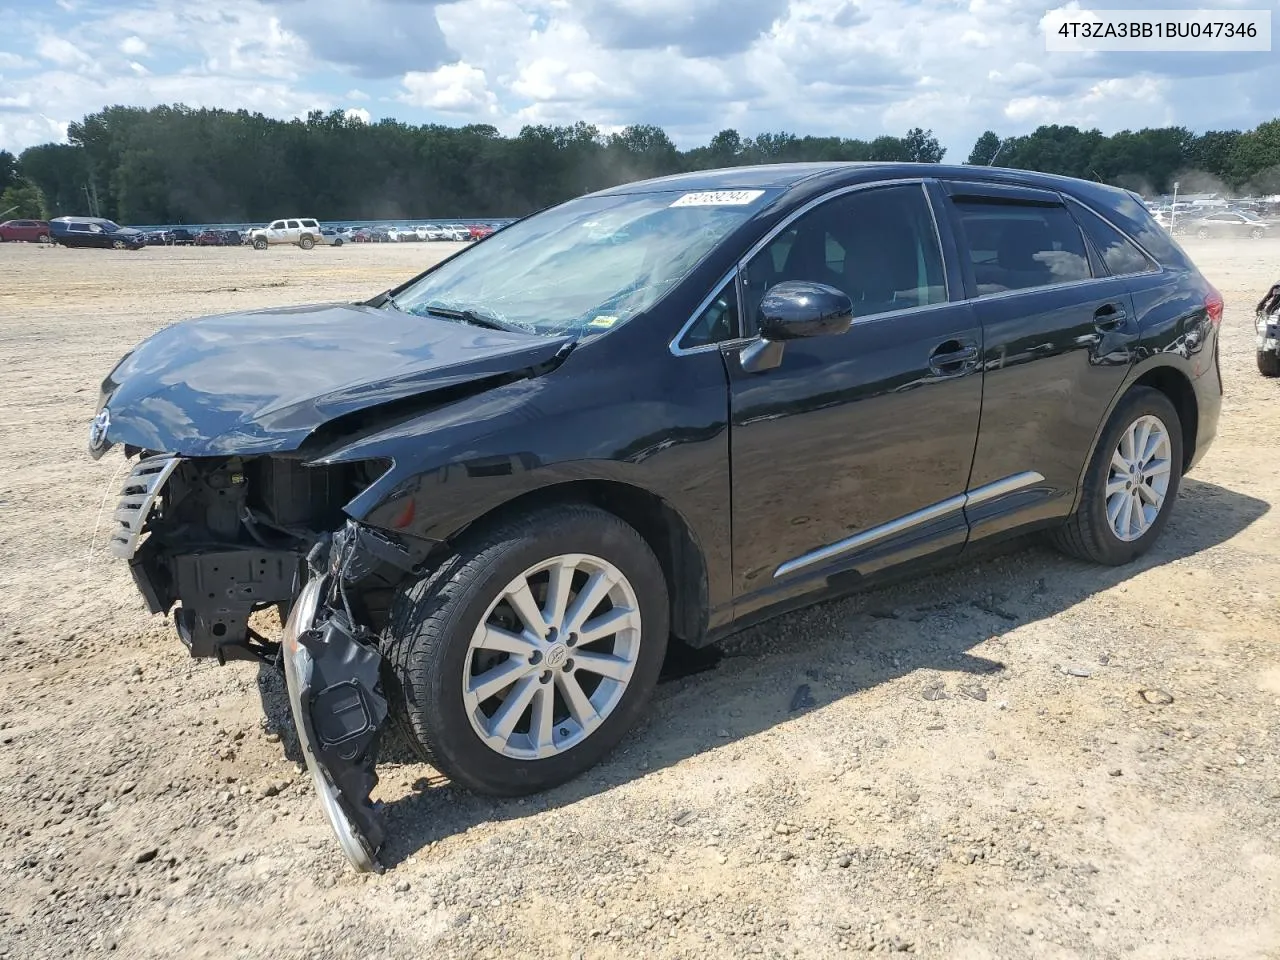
(302, 232)
(32, 231)
(1229, 223)
(332, 237)
(95, 232)
(479, 231)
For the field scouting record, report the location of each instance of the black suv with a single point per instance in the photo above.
(487, 497)
(95, 232)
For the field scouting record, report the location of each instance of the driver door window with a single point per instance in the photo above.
(878, 246)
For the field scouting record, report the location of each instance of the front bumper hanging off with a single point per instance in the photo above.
(331, 671)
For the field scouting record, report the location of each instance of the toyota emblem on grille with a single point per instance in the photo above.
(98, 429)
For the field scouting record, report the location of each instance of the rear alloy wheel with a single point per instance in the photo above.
(306, 243)
(1257, 233)
(523, 660)
(118, 244)
(1202, 233)
(43, 238)
(1131, 482)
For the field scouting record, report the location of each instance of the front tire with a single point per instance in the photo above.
(259, 244)
(1257, 233)
(1202, 233)
(1131, 482)
(523, 659)
(1269, 363)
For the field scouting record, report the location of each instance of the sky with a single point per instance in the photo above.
(853, 68)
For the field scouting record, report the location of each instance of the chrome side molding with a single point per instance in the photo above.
(982, 494)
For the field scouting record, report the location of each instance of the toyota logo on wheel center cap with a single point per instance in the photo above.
(557, 655)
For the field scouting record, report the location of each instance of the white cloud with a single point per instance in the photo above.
(454, 88)
(14, 61)
(357, 113)
(133, 46)
(62, 52)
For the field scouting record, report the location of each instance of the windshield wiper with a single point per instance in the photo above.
(477, 319)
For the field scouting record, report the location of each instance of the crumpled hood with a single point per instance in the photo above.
(262, 381)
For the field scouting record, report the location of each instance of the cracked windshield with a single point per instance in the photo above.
(583, 267)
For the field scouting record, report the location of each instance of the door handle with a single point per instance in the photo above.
(1109, 316)
(952, 357)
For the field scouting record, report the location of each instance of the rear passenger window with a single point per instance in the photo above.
(1118, 252)
(292, 224)
(1015, 246)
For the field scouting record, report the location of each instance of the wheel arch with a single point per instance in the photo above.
(1175, 385)
(1166, 377)
(668, 534)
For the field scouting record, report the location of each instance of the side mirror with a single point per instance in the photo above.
(791, 310)
(799, 308)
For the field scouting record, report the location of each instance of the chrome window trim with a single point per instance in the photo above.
(674, 345)
(796, 214)
(1159, 267)
(982, 494)
(773, 233)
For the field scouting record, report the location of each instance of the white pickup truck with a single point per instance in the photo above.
(302, 232)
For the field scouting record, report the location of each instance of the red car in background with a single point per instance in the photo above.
(479, 231)
(33, 231)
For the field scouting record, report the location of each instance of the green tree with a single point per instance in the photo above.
(22, 199)
(984, 149)
(923, 147)
(8, 169)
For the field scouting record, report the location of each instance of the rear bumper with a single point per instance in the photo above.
(1208, 389)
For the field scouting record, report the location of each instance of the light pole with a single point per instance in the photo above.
(1173, 210)
(1003, 144)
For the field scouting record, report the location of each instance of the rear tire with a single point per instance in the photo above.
(1202, 233)
(306, 243)
(1091, 532)
(1269, 363)
(1257, 233)
(434, 662)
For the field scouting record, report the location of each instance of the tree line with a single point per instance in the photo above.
(176, 164)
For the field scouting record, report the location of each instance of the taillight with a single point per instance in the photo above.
(1213, 304)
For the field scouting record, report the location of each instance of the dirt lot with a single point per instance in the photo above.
(146, 808)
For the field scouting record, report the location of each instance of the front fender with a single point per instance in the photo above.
(662, 431)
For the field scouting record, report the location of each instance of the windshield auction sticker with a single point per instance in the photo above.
(718, 198)
(1181, 31)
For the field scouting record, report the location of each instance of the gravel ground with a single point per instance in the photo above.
(1023, 756)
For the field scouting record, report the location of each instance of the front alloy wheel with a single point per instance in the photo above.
(522, 660)
(542, 675)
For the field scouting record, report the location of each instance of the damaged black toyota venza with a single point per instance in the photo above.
(485, 499)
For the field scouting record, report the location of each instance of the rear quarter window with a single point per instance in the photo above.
(1131, 215)
(1118, 252)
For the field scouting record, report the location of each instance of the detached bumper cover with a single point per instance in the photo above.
(331, 671)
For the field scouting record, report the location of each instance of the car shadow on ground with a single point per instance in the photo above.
(802, 661)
